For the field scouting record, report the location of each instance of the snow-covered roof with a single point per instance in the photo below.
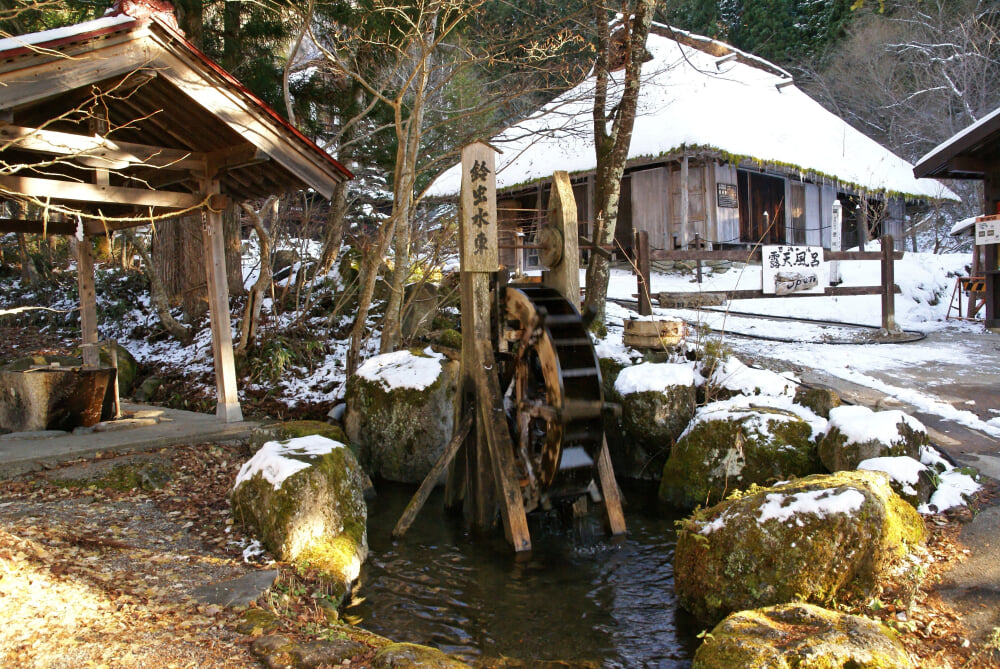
(735, 104)
(48, 37)
(935, 161)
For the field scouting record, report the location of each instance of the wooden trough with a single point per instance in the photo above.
(653, 334)
(52, 397)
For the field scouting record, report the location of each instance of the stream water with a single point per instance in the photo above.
(579, 597)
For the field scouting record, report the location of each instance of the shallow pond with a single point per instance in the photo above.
(579, 597)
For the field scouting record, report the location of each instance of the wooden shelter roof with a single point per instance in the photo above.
(968, 154)
(124, 116)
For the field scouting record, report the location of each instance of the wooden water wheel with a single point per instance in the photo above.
(554, 397)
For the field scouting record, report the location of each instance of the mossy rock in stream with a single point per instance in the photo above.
(400, 413)
(736, 443)
(414, 656)
(304, 499)
(658, 400)
(815, 539)
(800, 636)
(856, 433)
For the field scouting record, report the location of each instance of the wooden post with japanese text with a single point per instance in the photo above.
(484, 469)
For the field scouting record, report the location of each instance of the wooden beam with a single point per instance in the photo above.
(420, 497)
(609, 490)
(37, 227)
(81, 192)
(967, 165)
(228, 407)
(96, 151)
(60, 72)
(234, 157)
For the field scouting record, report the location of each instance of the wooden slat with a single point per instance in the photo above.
(829, 292)
(81, 192)
(501, 450)
(610, 492)
(753, 255)
(100, 151)
(88, 302)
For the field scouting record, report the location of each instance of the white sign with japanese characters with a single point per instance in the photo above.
(987, 231)
(794, 269)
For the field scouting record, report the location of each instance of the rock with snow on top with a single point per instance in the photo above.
(820, 538)
(910, 479)
(303, 498)
(820, 399)
(658, 400)
(800, 635)
(400, 412)
(739, 442)
(731, 377)
(856, 433)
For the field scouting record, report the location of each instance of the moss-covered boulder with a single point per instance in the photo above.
(412, 656)
(400, 412)
(303, 498)
(728, 377)
(818, 398)
(739, 442)
(658, 400)
(800, 636)
(293, 429)
(813, 540)
(909, 478)
(856, 433)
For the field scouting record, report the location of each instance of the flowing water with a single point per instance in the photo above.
(579, 597)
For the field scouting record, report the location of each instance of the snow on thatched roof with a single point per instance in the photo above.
(699, 94)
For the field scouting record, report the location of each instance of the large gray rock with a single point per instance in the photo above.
(658, 400)
(800, 636)
(728, 377)
(856, 433)
(303, 498)
(422, 306)
(400, 413)
(738, 442)
(805, 540)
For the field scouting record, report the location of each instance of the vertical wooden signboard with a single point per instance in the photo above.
(486, 461)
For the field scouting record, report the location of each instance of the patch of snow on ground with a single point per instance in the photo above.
(860, 424)
(820, 503)
(276, 460)
(403, 369)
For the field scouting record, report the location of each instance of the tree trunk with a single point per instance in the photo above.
(612, 147)
(233, 240)
(158, 293)
(371, 261)
(29, 273)
(255, 299)
(333, 236)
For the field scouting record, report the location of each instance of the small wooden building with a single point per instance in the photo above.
(974, 153)
(725, 147)
(121, 122)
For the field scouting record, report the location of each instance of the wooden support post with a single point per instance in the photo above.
(641, 245)
(888, 287)
(478, 257)
(424, 491)
(500, 451)
(228, 407)
(88, 302)
(564, 262)
(697, 266)
(609, 490)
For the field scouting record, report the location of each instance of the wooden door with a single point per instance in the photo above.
(762, 208)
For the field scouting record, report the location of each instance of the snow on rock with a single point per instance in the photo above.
(954, 490)
(735, 376)
(276, 461)
(657, 377)
(860, 424)
(904, 470)
(403, 369)
(738, 407)
(820, 503)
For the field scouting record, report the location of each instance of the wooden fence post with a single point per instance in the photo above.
(641, 246)
(888, 287)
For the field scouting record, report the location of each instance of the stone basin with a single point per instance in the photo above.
(52, 397)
